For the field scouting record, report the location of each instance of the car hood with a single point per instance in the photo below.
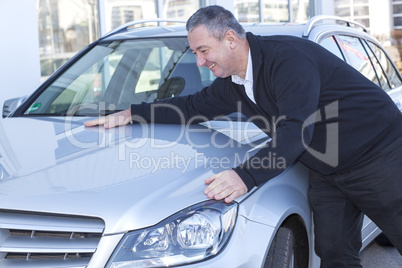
(120, 175)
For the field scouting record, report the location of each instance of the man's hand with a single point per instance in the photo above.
(225, 185)
(112, 120)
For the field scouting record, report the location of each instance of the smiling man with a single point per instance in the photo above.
(324, 105)
(223, 55)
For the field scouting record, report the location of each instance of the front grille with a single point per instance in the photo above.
(31, 240)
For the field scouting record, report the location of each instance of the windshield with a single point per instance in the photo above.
(113, 75)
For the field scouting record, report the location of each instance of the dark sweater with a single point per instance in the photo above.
(316, 108)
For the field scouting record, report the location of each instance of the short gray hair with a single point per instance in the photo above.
(217, 20)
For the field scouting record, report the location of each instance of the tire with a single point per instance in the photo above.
(383, 240)
(282, 253)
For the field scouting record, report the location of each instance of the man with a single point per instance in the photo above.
(321, 112)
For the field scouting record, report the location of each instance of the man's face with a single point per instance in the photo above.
(213, 54)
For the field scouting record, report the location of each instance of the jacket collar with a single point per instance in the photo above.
(256, 55)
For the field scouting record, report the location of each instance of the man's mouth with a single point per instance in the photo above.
(211, 66)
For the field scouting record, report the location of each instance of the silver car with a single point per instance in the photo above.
(132, 196)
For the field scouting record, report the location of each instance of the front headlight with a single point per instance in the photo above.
(191, 235)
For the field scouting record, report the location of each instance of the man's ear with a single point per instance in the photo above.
(231, 39)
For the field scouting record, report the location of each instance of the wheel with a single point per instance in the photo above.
(284, 251)
(383, 240)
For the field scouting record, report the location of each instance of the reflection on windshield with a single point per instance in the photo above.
(114, 75)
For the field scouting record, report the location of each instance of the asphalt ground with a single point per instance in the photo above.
(376, 256)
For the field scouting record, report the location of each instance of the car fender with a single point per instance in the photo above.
(277, 199)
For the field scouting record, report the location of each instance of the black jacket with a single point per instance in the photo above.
(316, 108)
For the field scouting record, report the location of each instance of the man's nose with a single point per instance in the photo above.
(200, 60)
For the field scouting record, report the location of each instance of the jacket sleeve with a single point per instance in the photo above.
(295, 83)
(209, 103)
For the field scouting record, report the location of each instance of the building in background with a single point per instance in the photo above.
(396, 33)
(118, 12)
(61, 33)
(397, 14)
(272, 10)
(64, 27)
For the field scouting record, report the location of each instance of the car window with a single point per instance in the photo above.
(387, 67)
(330, 44)
(116, 74)
(151, 74)
(356, 56)
(377, 66)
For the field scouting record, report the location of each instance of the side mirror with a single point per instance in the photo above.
(11, 105)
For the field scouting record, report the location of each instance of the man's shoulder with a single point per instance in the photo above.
(281, 47)
(278, 40)
(275, 37)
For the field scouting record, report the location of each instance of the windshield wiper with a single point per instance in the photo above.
(94, 113)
